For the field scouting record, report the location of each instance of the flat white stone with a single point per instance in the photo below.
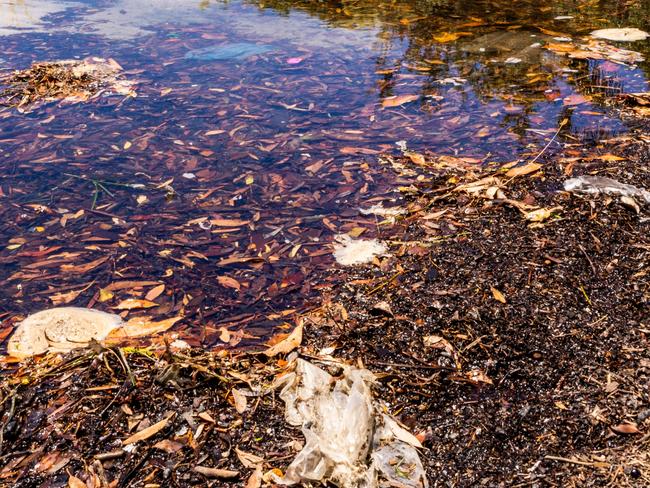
(628, 34)
(60, 330)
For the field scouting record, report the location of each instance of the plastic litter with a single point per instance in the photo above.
(349, 442)
(228, 52)
(60, 330)
(602, 184)
(351, 252)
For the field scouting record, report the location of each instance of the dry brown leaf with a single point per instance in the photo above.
(133, 303)
(610, 157)
(240, 400)
(523, 170)
(123, 285)
(229, 282)
(83, 268)
(63, 298)
(417, 158)
(150, 431)
(626, 428)
(155, 292)
(255, 480)
(74, 482)
(168, 446)
(248, 459)
(141, 327)
(228, 222)
(207, 417)
(215, 472)
(398, 100)
(498, 295)
(291, 342)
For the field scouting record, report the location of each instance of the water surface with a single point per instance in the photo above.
(255, 133)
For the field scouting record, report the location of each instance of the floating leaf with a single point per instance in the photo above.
(229, 282)
(398, 100)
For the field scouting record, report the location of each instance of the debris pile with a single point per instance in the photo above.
(69, 80)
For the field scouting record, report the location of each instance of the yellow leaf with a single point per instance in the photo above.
(141, 199)
(249, 180)
(11, 247)
(127, 145)
(356, 231)
(447, 37)
(132, 303)
(165, 91)
(39, 229)
(497, 295)
(540, 215)
(105, 295)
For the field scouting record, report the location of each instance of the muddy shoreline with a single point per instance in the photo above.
(517, 350)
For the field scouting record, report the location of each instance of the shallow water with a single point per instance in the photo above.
(272, 134)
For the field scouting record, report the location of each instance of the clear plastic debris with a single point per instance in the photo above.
(602, 184)
(349, 441)
(351, 252)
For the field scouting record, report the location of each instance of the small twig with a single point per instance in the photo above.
(567, 460)
(557, 132)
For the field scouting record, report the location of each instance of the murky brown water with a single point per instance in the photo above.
(254, 135)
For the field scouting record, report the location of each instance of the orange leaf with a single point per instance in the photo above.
(291, 342)
(523, 170)
(150, 431)
(74, 482)
(626, 428)
(229, 282)
(398, 100)
(142, 326)
(155, 292)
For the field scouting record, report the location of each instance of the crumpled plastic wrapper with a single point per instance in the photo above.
(609, 186)
(349, 442)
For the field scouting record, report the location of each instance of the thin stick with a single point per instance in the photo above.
(557, 132)
(567, 460)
